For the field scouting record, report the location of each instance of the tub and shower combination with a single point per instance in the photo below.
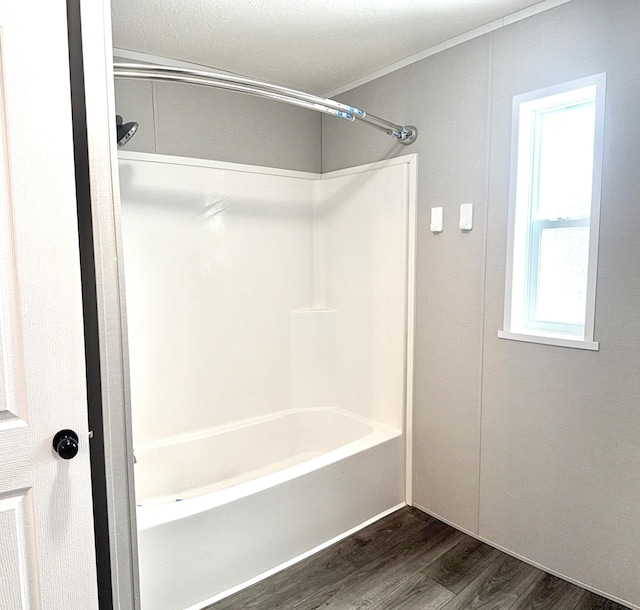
(270, 320)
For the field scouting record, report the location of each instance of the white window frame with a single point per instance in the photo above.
(521, 227)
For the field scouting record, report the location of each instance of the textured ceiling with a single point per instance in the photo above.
(315, 45)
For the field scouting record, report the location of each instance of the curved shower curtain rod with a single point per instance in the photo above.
(221, 80)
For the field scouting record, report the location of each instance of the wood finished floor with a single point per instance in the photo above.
(411, 561)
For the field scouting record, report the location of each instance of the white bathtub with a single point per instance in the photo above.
(216, 513)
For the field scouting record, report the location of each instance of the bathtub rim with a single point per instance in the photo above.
(245, 423)
(153, 515)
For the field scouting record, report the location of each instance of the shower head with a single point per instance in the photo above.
(126, 131)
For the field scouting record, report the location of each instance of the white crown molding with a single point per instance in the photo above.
(536, 9)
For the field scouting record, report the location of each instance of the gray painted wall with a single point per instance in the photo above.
(192, 121)
(534, 448)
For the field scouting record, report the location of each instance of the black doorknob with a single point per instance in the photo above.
(65, 444)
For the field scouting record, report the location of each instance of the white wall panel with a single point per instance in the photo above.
(362, 240)
(314, 358)
(215, 259)
(222, 276)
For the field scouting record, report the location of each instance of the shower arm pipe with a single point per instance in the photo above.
(234, 82)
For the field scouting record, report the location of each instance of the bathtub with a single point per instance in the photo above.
(215, 514)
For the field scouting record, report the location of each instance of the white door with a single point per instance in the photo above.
(47, 558)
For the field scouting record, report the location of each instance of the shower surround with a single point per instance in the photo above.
(270, 318)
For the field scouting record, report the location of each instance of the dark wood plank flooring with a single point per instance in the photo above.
(411, 561)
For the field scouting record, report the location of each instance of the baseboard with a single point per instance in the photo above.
(535, 564)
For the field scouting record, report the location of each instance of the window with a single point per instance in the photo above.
(554, 214)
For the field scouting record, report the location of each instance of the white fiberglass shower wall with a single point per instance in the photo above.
(215, 259)
(270, 321)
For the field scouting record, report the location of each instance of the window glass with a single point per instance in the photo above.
(565, 161)
(554, 213)
(562, 275)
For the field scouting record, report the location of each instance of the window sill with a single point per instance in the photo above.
(549, 340)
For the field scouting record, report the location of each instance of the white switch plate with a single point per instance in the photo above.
(466, 217)
(436, 220)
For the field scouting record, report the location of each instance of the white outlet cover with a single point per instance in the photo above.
(437, 220)
(466, 217)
